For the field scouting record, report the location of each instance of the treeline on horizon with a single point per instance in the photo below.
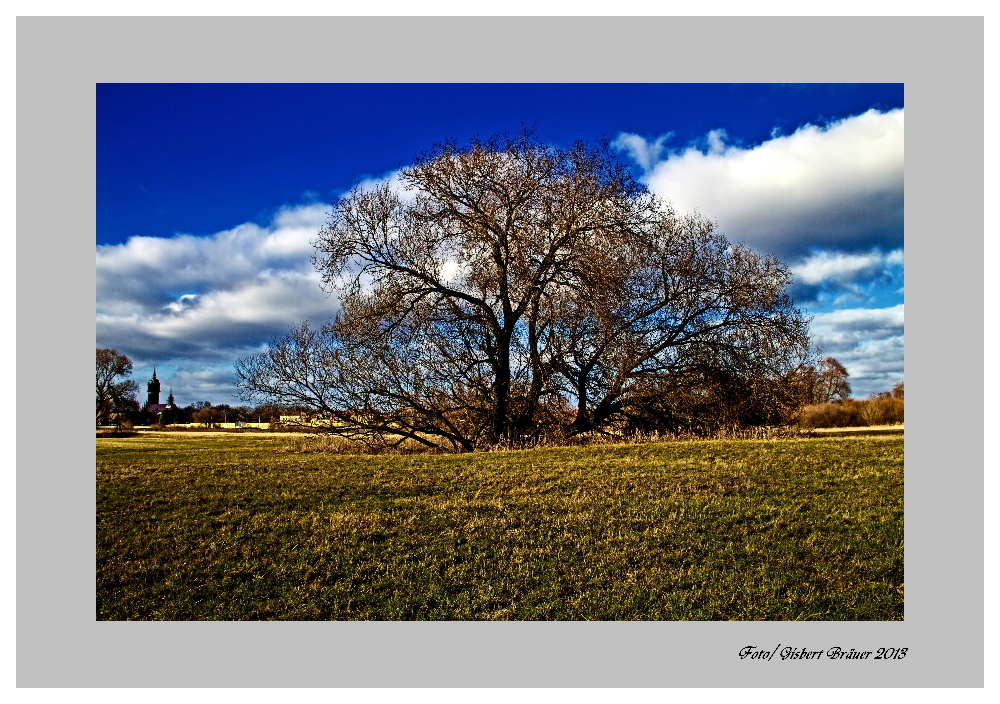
(823, 390)
(881, 408)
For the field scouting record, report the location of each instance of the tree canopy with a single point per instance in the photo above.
(513, 290)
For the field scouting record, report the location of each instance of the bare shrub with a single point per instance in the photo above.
(851, 413)
(841, 414)
(882, 411)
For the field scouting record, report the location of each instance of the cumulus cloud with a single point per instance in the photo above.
(395, 182)
(827, 277)
(213, 384)
(837, 186)
(848, 323)
(646, 154)
(836, 266)
(196, 304)
(826, 198)
(867, 341)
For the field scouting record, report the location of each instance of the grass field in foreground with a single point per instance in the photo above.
(239, 527)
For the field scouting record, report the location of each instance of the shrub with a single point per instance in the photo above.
(839, 414)
(882, 411)
(851, 413)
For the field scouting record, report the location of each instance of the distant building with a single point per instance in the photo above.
(153, 404)
(153, 389)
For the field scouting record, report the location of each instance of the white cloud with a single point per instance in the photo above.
(828, 199)
(211, 299)
(395, 183)
(867, 341)
(298, 217)
(183, 303)
(834, 265)
(644, 153)
(825, 266)
(838, 186)
(266, 301)
(194, 382)
(716, 141)
(864, 317)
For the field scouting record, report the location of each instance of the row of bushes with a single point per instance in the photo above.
(851, 413)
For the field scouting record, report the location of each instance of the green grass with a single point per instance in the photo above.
(238, 527)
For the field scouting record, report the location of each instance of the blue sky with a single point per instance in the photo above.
(208, 197)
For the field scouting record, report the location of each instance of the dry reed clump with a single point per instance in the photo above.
(852, 414)
(882, 411)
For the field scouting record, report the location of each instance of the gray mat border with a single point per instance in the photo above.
(59, 60)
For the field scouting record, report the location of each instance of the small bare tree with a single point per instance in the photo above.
(115, 394)
(831, 382)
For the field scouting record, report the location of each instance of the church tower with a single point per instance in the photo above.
(153, 387)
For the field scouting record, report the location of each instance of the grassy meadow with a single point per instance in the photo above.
(246, 527)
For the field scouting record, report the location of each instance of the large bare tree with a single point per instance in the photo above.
(516, 289)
